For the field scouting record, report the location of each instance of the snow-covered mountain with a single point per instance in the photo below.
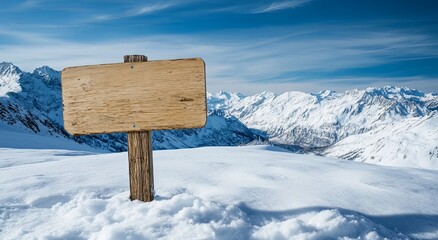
(322, 119)
(390, 125)
(31, 102)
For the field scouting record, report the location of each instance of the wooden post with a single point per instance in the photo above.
(141, 173)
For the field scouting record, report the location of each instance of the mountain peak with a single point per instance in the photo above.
(229, 95)
(9, 78)
(47, 73)
(325, 94)
(7, 68)
(265, 94)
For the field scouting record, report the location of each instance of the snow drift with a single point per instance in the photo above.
(253, 192)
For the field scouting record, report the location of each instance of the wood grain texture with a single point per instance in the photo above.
(141, 172)
(134, 96)
(140, 156)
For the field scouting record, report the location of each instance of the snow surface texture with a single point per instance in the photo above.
(256, 192)
(388, 126)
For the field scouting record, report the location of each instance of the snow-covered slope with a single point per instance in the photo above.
(411, 142)
(32, 102)
(371, 117)
(220, 130)
(257, 192)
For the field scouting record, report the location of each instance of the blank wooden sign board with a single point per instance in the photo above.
(135, 97)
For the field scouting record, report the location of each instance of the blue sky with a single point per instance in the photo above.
(248, 46)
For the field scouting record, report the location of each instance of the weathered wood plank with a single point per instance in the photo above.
(134, 96)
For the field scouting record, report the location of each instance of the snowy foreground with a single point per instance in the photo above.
(256, 192)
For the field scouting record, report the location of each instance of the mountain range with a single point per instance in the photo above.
(388, 126)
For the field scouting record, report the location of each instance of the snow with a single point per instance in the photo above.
(410, 143)
(13, 138)
(253, 192)
(9, 79)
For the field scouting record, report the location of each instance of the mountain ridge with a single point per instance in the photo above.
(323, 122)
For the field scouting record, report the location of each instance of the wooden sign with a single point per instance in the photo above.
(134, 96)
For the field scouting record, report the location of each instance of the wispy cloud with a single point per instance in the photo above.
(421, 83)
(256, 7)
(242, 53)
(21, 36)
(29, 4)
(280, 5)
(248, 62)
(137, 10)
(20, 5)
